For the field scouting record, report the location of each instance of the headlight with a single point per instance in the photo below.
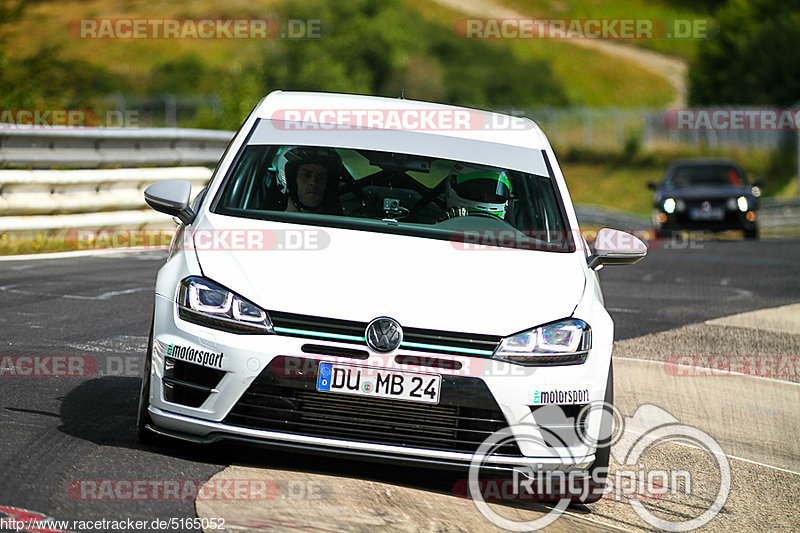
(669, 205)
(742, 203)
(204, 302)
(563, 342)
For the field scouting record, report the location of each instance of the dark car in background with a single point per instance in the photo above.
(705, 195)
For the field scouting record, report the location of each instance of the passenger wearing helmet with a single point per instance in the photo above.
(310, 178)
(471, 189)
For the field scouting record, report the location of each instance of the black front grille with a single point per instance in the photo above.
(337, 351)
(289, 402)
(317, 323)
(715, 203)
(432, 362)
(442, 340)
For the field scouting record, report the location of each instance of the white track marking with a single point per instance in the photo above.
(725, 454)
(103, 296)
(76, 253)
(707, 369)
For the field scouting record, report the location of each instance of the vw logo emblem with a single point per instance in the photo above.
(706, 206)
(384, 334)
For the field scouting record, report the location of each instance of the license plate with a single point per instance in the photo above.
(712, 214)
(378, 382)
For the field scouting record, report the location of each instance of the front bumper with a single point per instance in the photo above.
(731, 220)
(504, 392)
(186, 428)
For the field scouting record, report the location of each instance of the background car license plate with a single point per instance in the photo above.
(714, 213)
(378, 382)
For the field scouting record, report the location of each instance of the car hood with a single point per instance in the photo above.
(420, 282)
(705, 193)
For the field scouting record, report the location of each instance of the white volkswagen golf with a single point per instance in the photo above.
(387, 279)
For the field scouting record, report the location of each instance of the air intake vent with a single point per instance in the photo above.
(188, 384)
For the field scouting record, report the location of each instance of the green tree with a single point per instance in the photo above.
(753, 59)
(381, 47)
(363, 42)
(10, 11)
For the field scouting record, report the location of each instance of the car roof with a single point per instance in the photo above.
(524, 133)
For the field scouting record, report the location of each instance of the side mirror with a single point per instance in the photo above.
(652, 185)
(614, 247)
(755, 190)
(171, 197)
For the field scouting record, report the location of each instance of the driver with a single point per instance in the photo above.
(476, 189)
(310, 178)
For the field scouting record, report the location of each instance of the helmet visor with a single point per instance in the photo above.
(487, 187)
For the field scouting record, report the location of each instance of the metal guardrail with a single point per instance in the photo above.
(780, 214)
(45, 192)
(95, 196)
(32, 200)
(109, 147)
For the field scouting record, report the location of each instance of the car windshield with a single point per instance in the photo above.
(396, 192)
(704, 176)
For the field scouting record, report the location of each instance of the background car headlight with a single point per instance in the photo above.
(742, 203)
(204, 302)
(669, 205)
(564, 342)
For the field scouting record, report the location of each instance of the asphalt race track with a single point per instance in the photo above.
(59, 431)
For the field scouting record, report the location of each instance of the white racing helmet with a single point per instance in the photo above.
(478, 189)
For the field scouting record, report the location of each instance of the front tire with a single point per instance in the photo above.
(602, 457)
(145, 435)
(751, 233)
